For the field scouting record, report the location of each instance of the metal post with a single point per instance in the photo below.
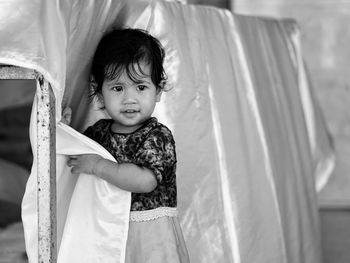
(46, 161)
(46, 172)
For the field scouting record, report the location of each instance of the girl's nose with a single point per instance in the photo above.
(129, 95)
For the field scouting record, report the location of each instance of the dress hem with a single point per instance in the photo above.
(146, 215)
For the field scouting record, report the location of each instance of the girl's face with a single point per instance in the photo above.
(130, 103)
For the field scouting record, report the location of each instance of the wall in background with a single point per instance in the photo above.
(325, 42)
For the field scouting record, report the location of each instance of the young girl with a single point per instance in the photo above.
(128, 79)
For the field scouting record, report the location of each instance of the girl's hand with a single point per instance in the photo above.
(83, 163)
(66, 115)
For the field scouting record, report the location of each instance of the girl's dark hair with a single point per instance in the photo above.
(123, 50)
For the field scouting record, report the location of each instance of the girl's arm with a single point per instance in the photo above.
(127, 176)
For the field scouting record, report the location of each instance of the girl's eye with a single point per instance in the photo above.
(141, 87)
(117, 88)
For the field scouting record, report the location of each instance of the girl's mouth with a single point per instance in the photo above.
(130, 111)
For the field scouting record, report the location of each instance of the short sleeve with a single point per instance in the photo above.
(157, 152)
(88, 132)
(97, 131)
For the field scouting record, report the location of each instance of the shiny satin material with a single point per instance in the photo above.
(251, 143)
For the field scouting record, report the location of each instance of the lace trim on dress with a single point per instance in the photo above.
(146, 215)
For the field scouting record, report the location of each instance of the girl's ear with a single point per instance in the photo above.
(93, 83)
(93, 88)
(159, 94)
(160, 89)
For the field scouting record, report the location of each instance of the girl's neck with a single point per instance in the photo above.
(116, 128)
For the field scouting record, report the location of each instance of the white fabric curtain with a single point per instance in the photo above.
(325, 38)
(251, 144)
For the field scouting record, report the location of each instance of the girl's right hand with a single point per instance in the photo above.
(83, 163)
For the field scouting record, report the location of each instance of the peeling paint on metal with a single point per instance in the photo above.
(46, 164)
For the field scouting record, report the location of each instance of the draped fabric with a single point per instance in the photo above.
(325, 38)
(251, 144)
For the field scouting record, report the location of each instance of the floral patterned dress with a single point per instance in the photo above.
(154, 231)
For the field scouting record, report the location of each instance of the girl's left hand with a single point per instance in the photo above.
(83, 163)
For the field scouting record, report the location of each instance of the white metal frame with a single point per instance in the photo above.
(46, 161)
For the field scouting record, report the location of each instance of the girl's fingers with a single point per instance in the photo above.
(74, 170)
(71, 162)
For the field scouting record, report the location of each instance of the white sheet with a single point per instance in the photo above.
(93, 215)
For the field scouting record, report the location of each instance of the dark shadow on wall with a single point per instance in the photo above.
(16, 157)
(14, 136)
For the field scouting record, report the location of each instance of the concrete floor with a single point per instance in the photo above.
(336, 235)
(12, 244)
(335, 232)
